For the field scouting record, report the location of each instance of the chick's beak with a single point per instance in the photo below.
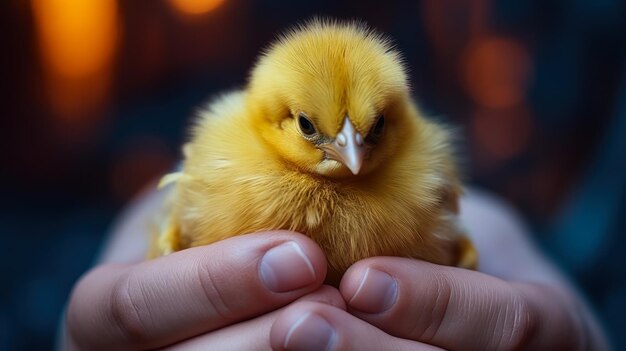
(347, 148)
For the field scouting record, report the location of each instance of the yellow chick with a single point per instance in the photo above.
(325, 140)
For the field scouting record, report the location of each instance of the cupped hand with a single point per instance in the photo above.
(518, 301)
(458, 309)
(404, 304)
(197, 291)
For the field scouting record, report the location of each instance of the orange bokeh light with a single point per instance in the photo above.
(501, 134)
(77, 42)
(77, 37)
(496, 72)
(195, 7)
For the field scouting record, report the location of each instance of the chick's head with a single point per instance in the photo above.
(331, 98)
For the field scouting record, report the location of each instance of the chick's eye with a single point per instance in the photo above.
(306, 126)
(379, 126)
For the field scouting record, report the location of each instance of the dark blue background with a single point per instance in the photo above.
(64, 180)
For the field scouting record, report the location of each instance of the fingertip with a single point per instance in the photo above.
(313, 326)
(306, 248)
(351, 280)
(304, 326)
(370, 290)
(286, 267)
(328, 295)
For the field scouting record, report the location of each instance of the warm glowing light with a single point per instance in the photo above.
(501, 134)
(77, 40)
(496, 72)
(444, 20)
(77, 37)
(195, 7)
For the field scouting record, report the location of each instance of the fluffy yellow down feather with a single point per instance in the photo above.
(324, 140)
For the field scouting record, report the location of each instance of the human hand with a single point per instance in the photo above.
(402, 304)
(195, 292)
(414, 303)
(458, 309)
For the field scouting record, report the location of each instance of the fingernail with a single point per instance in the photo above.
(376, 293)
(310, 332)
(286, 267)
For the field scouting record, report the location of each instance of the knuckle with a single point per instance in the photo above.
(126, 311)
(440, 294)
(213, 292)
(519, 324)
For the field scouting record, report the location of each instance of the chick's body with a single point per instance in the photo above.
(326, 141)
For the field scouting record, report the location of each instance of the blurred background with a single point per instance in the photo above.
(97, 95)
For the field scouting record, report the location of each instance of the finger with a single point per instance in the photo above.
(159, 302)
(314, 326)
(254, 334)
(456, 309)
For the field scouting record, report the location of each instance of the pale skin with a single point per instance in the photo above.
(265, 291)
